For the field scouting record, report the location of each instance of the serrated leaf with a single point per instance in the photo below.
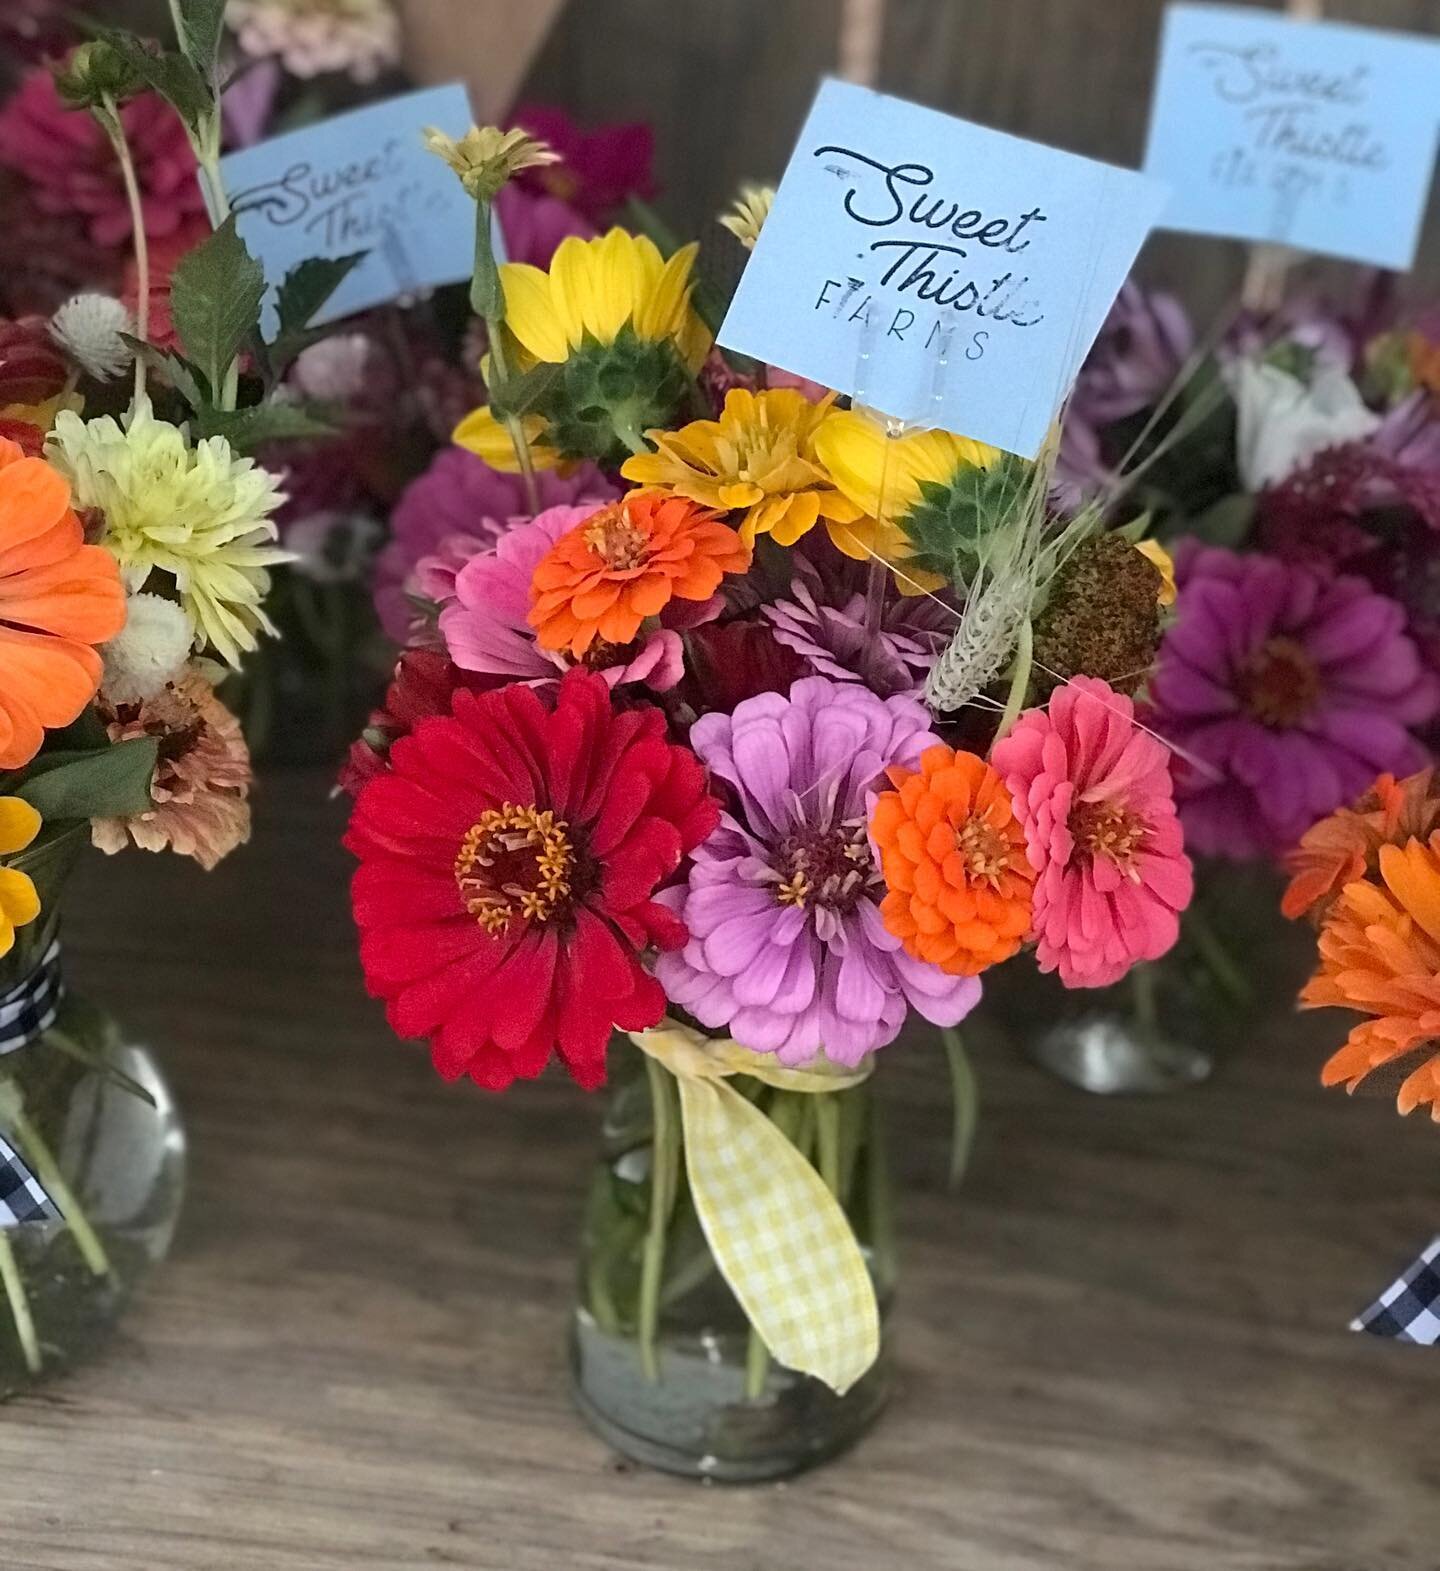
(202, 22)
(106, 782)
(247, 429)
(169, 74)
(215, 296)
(176, 369)
(308, 286)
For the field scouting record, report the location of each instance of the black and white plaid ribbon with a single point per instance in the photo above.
(25, 1011)
(1409, 1309)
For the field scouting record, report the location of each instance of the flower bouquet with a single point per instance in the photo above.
(727, 754)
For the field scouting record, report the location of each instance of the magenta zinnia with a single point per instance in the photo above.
(509, 857)
(787, 950)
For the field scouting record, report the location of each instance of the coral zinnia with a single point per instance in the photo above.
(1346, 845)
(1286, 694)
(58, 598)
(758, 459)
(1093, 792)
(199, 515)
(1380, 955)
(953, 855)
(509, 857)
(787, 950)
(627, 562)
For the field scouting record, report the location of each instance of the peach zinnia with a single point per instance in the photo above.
(58, 598)
(625, 563)
(953, 857)
(1380, 956)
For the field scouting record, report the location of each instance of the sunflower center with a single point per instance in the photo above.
(1109, 830)
(984, 850)
(1279, 683)
(616, 539)
(515, 861)
(825, 867)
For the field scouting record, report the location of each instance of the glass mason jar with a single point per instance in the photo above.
(699, 1394)
(93, 1120)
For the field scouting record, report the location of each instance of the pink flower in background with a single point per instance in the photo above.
(249, 101)
(458, 503)
(1094, 794)
(787, 950)
(598, 171)
(486, 628)
(360, 38)
(534, 223)
(71, 167)
(1286, 692)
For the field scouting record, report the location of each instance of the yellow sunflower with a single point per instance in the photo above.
(19, 903)
(616, 317)
(758, 457)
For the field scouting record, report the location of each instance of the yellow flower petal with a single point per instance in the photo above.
(1414, 880)
(882, 474)
(482, 434)
(530, 313)
(1153, 551)
(19, 903)
(19, 824)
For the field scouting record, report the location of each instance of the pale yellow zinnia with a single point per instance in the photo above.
(758, 459)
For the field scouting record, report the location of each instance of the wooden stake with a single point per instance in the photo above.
(862, 41)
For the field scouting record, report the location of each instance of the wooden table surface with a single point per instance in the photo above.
(1122, 1347)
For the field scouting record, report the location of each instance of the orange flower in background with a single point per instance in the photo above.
(58, 598)
(626, 562)
(1345, 846)
(953, 857)
(1380, 955)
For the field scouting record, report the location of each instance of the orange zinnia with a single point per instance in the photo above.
(1344, 846)
(1380, 955)
(953, 857)
(627, 562)
(58, 598)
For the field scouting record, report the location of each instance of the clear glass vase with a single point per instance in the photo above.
(702, 1398)
(91, 1116)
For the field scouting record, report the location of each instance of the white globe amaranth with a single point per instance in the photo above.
(149, 651)
(88, 329)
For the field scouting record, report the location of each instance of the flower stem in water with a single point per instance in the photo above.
(14, 1289)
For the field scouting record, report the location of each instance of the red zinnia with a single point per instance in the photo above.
(508, 859)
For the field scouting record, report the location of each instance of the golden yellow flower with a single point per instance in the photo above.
(758, 457)
(486, 157)
(1154, 552)
(748, 213)
(19, 904)
(617, 315)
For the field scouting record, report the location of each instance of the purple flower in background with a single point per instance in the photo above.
(533, 224)
(787, 950)
(1305, 334)
(461, 505)
(1285, 692)
(822, 619)
(485, 624)
(1141, 348)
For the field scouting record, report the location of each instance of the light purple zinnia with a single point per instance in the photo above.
(823, 620)
(1139, 352)
(1286, 692)
(787, 949)
(485, 618)
(459, 506)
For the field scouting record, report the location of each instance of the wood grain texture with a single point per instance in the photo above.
(1122, 1347)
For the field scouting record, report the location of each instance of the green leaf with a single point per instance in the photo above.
(308, 286)
(185, 378)
(950, 522)
(107, 782)
(202, 22)
(215, 297)
(523, 391)
(172, 76)
(1227, 522)
(247, 429)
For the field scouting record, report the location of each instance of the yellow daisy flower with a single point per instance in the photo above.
(759, 457)
(748, 213)
(19, 903)
(616, 317)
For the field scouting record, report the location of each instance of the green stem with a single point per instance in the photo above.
(664, 1160)
(827, 1141)
(881, 1213)
(1142, 994)
(1216, 957)
(115, 130)
(757, 1366)
(35, 1150)
(965, 1102)
(629, 433)
(1019, 679)
(14, 1289)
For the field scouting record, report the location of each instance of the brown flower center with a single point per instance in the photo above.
(825, 867)
(614, 537)
(1279, 683)
(515, 861)
(1110, 830)
(984, 850)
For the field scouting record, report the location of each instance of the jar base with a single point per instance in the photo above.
(1108, 1055)
(696, 1420)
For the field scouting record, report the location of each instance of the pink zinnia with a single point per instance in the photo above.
(1094, 795)
(72, 168)
(598, 171)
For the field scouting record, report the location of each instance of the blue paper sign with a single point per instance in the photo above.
(360, 182)
(939, 272)
(1310, 134)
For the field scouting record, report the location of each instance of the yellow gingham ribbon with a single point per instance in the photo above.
(778, 1235)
